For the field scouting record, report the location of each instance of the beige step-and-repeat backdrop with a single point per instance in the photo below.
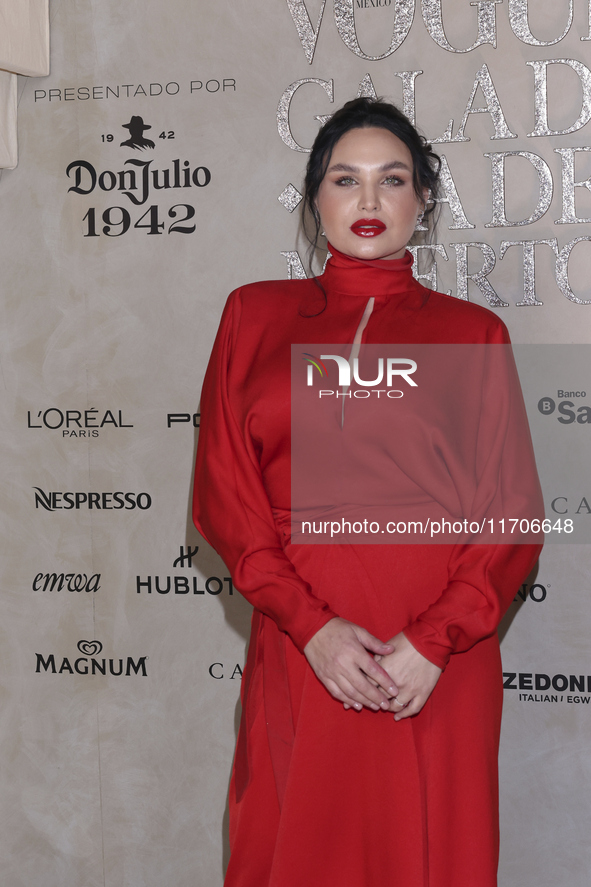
(160, 164)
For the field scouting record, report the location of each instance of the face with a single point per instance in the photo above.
(366, 200)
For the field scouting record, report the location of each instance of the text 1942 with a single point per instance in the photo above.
(117, 221)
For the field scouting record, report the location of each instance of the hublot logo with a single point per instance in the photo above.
(181, 585)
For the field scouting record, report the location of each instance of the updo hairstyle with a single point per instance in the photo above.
(362, 113)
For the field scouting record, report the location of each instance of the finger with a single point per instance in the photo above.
(372, 643)
(384, 700)
(355, 672)
(375, 672)
(358, 687)
(343, 690)
(337, 693)
(411, 709)
(397, 705)
(348, 694)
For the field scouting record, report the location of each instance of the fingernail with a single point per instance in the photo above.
(393, 691)
(375, 707)
(357, 706)
(385, 705)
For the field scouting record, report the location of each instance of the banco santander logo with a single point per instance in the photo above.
(567, 410)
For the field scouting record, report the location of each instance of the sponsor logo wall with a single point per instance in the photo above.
(160, 166)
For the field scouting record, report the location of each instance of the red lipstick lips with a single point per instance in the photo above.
(367, 227)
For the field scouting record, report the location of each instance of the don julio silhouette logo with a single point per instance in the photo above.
(136, 127)
(89, 664)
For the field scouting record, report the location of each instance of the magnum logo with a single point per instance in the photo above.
(89, 664)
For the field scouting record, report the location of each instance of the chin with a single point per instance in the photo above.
(368, 248)
(373, 250)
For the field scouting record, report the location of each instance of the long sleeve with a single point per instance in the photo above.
(484, 578)
(231, 508)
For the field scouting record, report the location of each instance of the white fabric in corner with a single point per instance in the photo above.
(24, 37)
(8, 141)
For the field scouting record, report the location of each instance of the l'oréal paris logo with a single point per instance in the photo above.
(388, 371)
(76, 423)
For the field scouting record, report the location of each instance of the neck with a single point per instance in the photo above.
(348, 274)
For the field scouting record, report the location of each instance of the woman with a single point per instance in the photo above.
(367, 752)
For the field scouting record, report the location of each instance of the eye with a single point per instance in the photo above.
(344, 181)
(393, 180)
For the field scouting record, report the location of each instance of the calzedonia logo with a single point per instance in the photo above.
(76, 423)
(389, 370)
(572, 689)
(567, 410)
(89, 664)
(117, 501)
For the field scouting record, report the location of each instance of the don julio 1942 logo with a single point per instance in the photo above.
(137, 180)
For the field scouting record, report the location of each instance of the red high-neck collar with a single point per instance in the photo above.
(369, 277)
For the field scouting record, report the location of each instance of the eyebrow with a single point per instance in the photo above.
(345, 167)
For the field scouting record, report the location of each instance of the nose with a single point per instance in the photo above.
(369, 200)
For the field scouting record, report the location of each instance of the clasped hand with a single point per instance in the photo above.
(359, 670)
(414, 675)
(342, 657)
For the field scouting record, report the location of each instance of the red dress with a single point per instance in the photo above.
(321, 796)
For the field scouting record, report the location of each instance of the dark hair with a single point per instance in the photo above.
(362, 113)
